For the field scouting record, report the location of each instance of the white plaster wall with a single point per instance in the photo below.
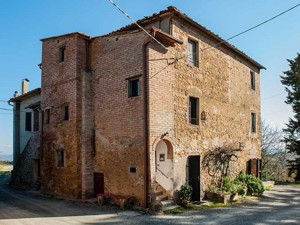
(25, 135)
(166, 167)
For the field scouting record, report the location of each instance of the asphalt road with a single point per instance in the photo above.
(279, 206)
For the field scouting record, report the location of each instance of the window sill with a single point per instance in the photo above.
(133, 97)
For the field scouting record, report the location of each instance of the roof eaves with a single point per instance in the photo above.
(173, 10)
(219, 39)
(69, 34)
(26, 95)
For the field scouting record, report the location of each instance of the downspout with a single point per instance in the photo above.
(146, 124)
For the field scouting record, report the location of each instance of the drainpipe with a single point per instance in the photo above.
(146, 124)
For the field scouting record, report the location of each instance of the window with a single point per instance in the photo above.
(60, 158)
(194, 110)
(252, 80)
(253, 122)
(62, 54)
(162, 157)
(192, 52)
(132, 169)
(66, 112)
(36, 120)
(133, 88)
(28, 121)
(47, 116)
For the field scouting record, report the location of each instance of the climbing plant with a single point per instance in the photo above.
(218, 162)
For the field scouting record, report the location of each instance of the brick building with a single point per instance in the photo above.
(125, 115)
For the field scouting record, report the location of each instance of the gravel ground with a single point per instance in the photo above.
(278, 206)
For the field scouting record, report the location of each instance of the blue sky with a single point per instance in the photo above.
(24, 23)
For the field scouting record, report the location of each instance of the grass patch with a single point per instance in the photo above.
(269, 188)
(4, 173)
(197, 207)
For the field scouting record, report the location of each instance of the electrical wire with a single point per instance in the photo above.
(272, 96)
(151, 36)
(122, 11)
(245, 31)
(12, 110)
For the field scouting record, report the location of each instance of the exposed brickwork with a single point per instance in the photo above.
(106, 130)
(119, 120)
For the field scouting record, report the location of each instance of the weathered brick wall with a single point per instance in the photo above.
(119, 120)
(105, 133)
(222, 83)
(60, 86)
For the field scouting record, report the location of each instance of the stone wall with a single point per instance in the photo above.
(22, 173)
(222, 84)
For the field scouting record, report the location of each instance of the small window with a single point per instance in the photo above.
(60, 158)
(28, 121)
(132, 169)
(47, 116)
(192, 53)
(162, 157)
(253, 122)
(133, 88)
(194, 111)
(66, 112)
(62, 54)
(252, 80)
(36, 120)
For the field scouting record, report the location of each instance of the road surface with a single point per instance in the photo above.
(17, 207)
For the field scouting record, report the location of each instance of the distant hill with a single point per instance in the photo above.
(6, 157)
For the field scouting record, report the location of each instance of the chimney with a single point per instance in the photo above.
(16, 94)
(25, 86)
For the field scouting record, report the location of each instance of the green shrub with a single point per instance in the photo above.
(229, 186)
(254, 185)
(234, 187)
(185, 194)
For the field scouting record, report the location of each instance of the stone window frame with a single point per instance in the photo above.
(197, 118)
(252, 80)
(253, 122)
(62, 54)
(66, 111)
(36, 120)
(130, 80)
(60, 158)
(194, 62)
(47, 115)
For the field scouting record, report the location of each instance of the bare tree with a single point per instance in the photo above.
(274, 154)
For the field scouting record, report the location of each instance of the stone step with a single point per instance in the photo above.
(157, 192)
(162, 197)
(168, 204)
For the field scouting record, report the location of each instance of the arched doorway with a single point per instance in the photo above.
(164, 165)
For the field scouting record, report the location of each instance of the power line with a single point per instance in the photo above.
(251, 28)
(6, 109)
(12, 110)
(272, 96)
(122, 11)
(282, 110)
